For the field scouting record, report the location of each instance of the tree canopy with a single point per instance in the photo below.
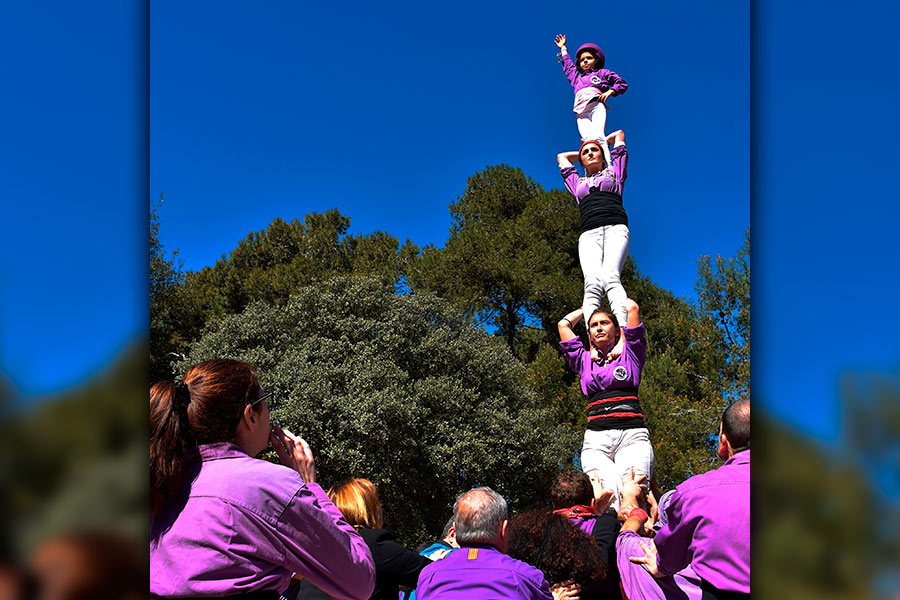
(402, 390)
(508, 271)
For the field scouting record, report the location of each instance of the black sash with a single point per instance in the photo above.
(599, 209)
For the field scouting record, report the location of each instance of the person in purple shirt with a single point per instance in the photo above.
(708, 518)
(603, 242)
(637, 582)
(616, 438)
(224, 524)
(593, 86)
(480, 567)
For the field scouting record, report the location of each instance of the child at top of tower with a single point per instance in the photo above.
(593, 86)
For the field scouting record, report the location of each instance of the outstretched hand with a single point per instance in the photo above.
(649, 560)
(293, 452)
(561, 41)
(633, 486)
(601, 502)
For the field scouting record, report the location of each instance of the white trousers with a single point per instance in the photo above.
(602, 252)
(592, 126)
(613, 452)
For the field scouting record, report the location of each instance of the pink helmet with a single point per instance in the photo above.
(593, 49)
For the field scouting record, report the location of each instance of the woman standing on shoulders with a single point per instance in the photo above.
(616, 439)
(603, 243)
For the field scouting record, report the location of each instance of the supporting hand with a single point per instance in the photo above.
(649, 560)
(616, 351)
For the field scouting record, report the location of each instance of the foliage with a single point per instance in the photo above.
(170, 312)
(267, 266)
(272, 264)
(510, 263)
(402, 390)
(511, 258)
(69, 464)
(724, 292)
(819, 524)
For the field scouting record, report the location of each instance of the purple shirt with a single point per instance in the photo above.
(481, 572)
(639, 584)
(245, 524)
(602, 79)
(610, 179)
(708, 526)
(624, 371)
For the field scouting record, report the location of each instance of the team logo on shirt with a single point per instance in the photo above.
(620, 373)
(596, 80)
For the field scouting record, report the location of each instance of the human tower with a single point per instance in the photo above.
(616, 439)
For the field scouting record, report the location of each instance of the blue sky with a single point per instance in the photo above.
(265, 110)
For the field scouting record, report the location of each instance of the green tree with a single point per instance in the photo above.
(819, 521)
(76, 461)
(402, 390)
(511, 258)
(723, 286)
(272, 264)
(174, 319)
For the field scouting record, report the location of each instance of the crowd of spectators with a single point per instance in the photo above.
(224, 524)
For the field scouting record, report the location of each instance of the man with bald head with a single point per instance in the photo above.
(481, 568)
(708, 518)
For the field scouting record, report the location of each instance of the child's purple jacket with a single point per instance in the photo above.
(602, 79)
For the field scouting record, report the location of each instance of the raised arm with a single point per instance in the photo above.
(567, 159)
(616, 137)
(634, 318)
(566, 324)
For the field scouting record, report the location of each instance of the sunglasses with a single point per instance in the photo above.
(271, 398)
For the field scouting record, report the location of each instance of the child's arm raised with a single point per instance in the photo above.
(561, 42)
(567, 64)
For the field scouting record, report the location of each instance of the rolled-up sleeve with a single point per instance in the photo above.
(619, 156)
(570, 177)
(636, 343)
(616, 83)
(575, 352)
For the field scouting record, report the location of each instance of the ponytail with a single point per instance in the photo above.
(205, 408)
(170, 440)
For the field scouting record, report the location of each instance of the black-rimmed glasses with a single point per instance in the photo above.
(271, 398)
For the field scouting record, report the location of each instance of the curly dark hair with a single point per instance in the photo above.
(556, 547)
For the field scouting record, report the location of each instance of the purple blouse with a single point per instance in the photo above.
(622, 372)
(610, 179)
(244, 525)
